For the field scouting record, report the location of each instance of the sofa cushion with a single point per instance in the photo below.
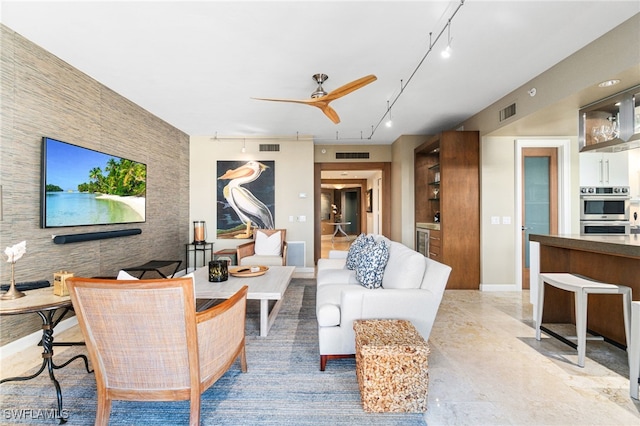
(355, 249)
(371, 264)
(336, 276)
(405, 268)
(261, 260)
(325, 263)
(268, 245)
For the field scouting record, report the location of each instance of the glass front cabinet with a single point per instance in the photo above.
(611, 124)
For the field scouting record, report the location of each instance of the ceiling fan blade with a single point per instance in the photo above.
(297, 101)
(322, 102)
(329, 112)
(317, 102)
(348, 88)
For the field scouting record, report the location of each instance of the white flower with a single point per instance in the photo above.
(14, 253)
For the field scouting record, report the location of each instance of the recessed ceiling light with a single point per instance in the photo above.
(608, 83)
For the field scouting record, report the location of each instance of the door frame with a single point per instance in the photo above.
(564, 193)
(385, 201)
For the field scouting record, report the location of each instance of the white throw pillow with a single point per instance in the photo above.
(268, 245)
(123, 275)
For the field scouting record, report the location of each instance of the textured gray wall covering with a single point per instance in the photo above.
(43, 96)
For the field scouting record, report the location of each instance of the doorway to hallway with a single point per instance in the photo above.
(383, 214)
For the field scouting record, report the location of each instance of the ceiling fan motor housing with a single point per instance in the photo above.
(319, 78)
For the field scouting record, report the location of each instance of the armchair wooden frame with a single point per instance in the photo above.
(147, 342)
(248, 249)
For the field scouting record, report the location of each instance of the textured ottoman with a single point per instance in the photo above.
(391, 366)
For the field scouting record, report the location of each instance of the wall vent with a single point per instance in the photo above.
(296, 253)
(508, 112)
(269, 147)
(352, 155)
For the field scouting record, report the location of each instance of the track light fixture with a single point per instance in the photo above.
(389, 123)
(446, 53)
(432, 43)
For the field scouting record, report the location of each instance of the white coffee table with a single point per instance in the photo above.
(270, 286)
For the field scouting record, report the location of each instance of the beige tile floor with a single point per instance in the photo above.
(486, 368)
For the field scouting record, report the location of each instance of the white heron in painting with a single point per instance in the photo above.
(242, 201)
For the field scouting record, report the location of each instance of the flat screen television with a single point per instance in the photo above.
(81, 186)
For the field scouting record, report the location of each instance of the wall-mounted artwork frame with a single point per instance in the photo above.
(245, 192)
(369, 200)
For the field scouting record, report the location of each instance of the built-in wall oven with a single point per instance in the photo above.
(604, 210)
(605, 227)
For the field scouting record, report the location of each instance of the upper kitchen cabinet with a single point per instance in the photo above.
(604, 169)
(611, 124)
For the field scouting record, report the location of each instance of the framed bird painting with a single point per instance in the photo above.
(245, 197)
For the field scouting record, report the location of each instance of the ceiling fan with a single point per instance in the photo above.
(321, 99)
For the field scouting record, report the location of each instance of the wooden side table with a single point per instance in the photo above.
(231, 255)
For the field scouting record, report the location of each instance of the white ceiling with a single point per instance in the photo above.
(197, 64)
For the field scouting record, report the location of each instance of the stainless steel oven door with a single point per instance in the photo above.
(605, 227)
(594, 207)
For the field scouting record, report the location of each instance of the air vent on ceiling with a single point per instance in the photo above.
(508, 112)
(352, 155)
(269, 147)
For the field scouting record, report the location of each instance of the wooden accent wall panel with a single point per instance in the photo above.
(44, 96)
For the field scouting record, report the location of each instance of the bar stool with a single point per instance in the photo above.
(582, 287)
(634, 350)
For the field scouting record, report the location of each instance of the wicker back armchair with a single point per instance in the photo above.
(147, 342)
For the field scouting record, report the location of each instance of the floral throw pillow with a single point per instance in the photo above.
(371, 263)
(355, 248)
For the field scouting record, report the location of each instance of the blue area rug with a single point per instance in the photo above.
(283, 385)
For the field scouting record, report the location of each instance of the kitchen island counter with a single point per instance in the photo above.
(613, 259)
(618, 245)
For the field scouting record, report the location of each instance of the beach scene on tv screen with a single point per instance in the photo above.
(86, 187)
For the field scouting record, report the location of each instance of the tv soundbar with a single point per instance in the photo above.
(90, 236)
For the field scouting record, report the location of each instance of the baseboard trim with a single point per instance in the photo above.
(499, 287)
(302, 272)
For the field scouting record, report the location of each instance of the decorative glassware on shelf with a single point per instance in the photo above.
(435, 192)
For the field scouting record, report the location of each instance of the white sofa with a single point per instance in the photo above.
(412, 288)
